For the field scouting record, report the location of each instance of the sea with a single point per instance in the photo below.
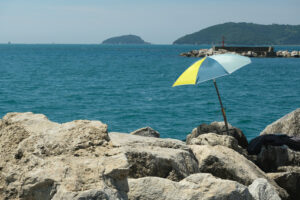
(129, 87)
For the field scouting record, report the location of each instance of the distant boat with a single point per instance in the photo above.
(9, 42)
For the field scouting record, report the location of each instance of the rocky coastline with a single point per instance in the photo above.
(81, 160)
(248, 53)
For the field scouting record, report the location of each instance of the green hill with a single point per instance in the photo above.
(125, 39)
(245, 34)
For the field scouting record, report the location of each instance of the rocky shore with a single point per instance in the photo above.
(81, 160)
(212, 51)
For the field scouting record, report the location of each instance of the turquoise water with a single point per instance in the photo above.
(129, 87)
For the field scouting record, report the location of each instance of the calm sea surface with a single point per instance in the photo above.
(129, 87)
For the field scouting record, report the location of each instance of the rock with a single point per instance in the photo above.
(272, 157)
(148, 156)
(219, 128)
(222, 51)
(294, 54)
(194, 52)
(201, 53)
(146, 131)
(288, 169)
(214, 139)
(249, 54)
(286, 54)
(209, 52)
(185, 54)
(226, 163)
(105, 193)
(127, 140)
(279, 54)
(288, 124)
(197, 186)
(261, 189)
(188, 54)
(289, 179)
(41, 159)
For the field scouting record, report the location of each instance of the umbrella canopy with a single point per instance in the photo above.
(211, 67)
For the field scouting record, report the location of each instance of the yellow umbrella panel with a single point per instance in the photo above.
(189, 76)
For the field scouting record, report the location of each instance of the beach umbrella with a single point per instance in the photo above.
(212, 67)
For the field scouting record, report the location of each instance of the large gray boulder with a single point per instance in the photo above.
(40, 159)
(261, 189)
(219, 128)
(288, 124)
(272, 157)
(289, 179)
(149, 156)
(226, 163)
(214, 139)
(147, 132)
(197, 186)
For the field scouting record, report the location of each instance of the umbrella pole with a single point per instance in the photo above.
(222, 108)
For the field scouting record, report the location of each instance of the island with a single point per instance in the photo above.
(125, 39)
(244, 34)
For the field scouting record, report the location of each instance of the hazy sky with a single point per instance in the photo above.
(156, 21)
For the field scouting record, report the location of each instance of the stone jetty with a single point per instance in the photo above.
(41, 159)
(244, 51)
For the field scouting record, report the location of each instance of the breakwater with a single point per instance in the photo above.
(244, 51)
(42, 159)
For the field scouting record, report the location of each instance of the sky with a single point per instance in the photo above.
(155, 21)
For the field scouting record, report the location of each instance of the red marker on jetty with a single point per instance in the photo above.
(223, 41)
